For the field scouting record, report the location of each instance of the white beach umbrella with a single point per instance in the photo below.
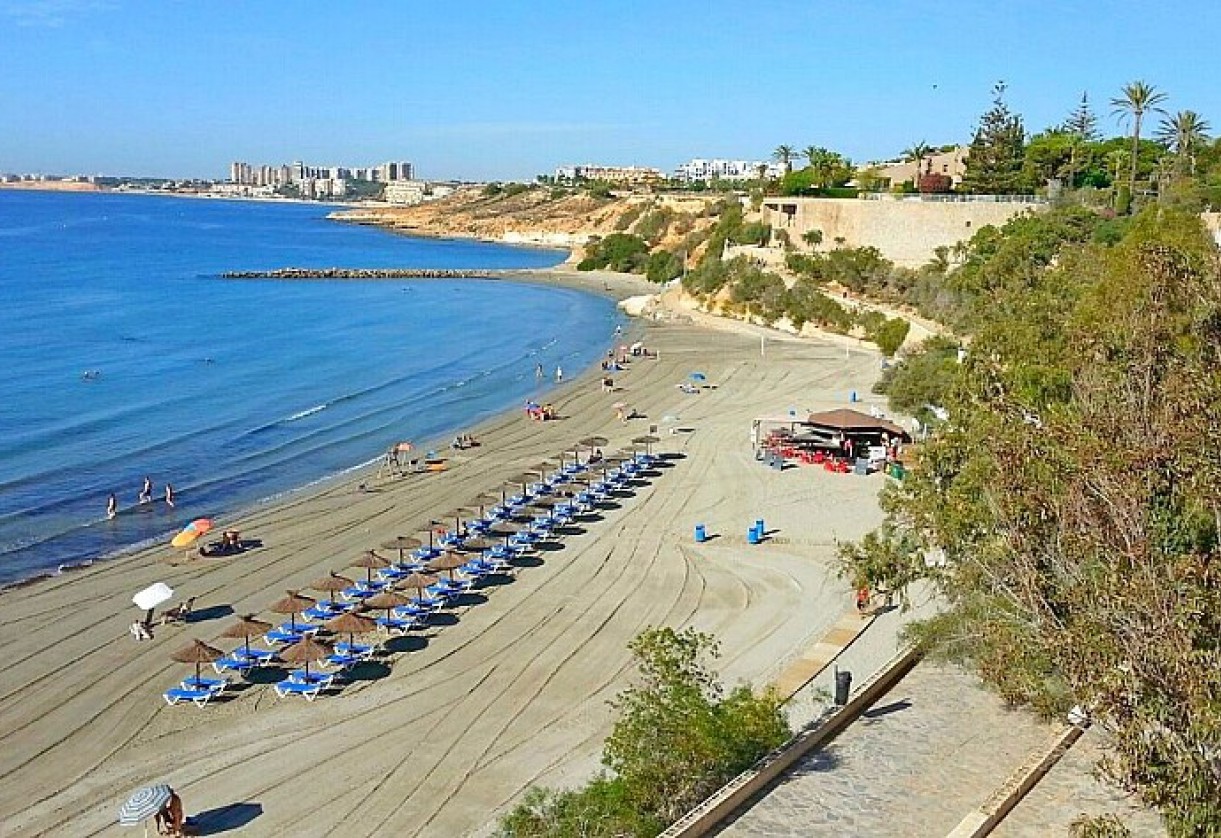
(153, 595)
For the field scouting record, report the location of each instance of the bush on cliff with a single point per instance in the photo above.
(620, 252)
(678, 737)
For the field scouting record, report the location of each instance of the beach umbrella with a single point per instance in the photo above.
(192, 531)
(419, 581)
(332, 583)
(487, 499)
(447, 561)
(144, 803)
(351, 624)
(151, 597)
(245, 628)
(477, 545)
(402, 543)
(594, 441)
(370, 561)
(293, 604)
(197, 653)
(389, 600)
(428, 528)
(307, 650)
(505, 528)
(457, 514)
(619, 405)
(697, 376)
(542, 506)
(646, 441)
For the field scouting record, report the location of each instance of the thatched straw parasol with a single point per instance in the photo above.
(197, 653)
(246, 627)
(293, 604)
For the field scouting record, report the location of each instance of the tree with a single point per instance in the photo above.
(1184, 134)
(1081, 128)
(1136, 100)
(678, 737)
(994, 163)
(1077, 517)
(812, 237)
(784, 155)
(1082, 123)
(917, 152)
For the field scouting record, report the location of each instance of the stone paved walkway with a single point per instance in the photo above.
(1070, 790)
(924, 755)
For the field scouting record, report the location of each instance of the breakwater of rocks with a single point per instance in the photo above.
(365, 273)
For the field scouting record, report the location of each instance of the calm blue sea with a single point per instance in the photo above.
(123, 354)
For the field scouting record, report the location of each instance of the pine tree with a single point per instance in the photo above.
(1082, 122)
(1082, 128)
(994, 164)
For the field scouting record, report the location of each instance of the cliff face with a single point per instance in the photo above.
(534, 216)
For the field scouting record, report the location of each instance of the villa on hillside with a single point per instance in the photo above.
(952, 164)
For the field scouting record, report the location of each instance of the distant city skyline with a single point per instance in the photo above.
(485, 90)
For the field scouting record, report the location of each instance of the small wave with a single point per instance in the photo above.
(318, 408)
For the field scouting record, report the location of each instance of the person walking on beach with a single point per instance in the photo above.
(169, 495)
(112, 507)
(146, 494)
(559, 374)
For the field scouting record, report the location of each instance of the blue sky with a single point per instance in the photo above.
(511, 88)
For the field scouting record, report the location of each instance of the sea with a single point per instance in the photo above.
(125, 355)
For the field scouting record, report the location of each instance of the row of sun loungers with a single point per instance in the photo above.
(446, 592)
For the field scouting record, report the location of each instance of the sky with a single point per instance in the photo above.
(507, 89)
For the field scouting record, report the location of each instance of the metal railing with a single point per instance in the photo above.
(952, 198)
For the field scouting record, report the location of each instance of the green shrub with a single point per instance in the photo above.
(663, 266)
(620, 252)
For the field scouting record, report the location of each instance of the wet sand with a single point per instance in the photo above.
(444, 733)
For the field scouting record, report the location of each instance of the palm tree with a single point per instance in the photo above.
(1183, 133)
(1137, 100)
(812, 153)
(917, 152)
(784, 155)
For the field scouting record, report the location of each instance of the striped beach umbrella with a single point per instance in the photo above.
(144, 804)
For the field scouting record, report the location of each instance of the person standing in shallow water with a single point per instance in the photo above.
(146, 493)
(112, 507)
(559, 374)
(169, 495)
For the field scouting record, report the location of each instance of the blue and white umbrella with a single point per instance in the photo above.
(144, 804)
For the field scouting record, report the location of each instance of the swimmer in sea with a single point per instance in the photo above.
(112, 507)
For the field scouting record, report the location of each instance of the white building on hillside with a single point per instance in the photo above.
(718, 169)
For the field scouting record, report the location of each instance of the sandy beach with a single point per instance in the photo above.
(443, 733)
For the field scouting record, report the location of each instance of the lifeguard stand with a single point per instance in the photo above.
(396, 461)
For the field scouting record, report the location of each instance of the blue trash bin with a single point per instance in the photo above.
(759, 526)
(752, 536)
(700, 533)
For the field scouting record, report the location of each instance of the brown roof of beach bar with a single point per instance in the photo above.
(844, 419)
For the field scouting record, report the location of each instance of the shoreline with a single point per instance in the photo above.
(513, 690)
(609, 285)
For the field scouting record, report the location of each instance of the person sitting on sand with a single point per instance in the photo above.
(608, 384)
(170, 820)
(141, 631)
(457, 444)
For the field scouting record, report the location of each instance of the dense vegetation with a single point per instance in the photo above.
(1069, 509)
(677, 739)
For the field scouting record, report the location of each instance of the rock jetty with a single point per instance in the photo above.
(364, 273)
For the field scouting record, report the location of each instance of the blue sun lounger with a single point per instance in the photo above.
(216, 685)
(290, 687)
(300, 676)
(177, 695)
